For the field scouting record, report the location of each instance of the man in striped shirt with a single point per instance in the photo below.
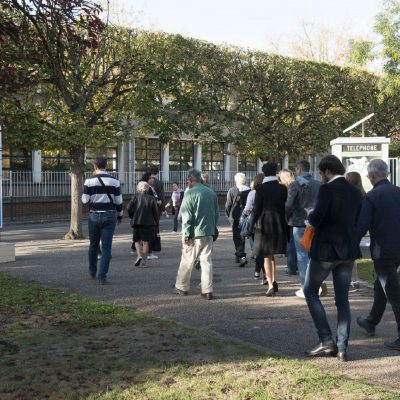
(103, 193)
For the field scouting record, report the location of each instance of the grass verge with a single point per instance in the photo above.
(365, 268)
(57, 345)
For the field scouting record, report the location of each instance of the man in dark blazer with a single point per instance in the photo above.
(334, 248)
(380, 214)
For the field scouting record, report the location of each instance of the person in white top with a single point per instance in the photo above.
(175, 203)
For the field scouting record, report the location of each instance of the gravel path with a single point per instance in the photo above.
(281, 324)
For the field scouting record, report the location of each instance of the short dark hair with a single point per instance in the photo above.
(333, 164)
(146, 176)
(270, 168)
(154, 170)
(100, 162)
(304, 165)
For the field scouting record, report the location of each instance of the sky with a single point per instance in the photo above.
(250, 23)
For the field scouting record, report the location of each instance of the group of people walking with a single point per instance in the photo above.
(272, 214)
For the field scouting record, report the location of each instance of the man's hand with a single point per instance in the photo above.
(186, 241)
(247, 233)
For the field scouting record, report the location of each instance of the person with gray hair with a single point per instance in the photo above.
(380, 215)
(200, 214)
(144, 213)
(234, 206)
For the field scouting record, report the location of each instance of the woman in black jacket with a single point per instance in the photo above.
(268, 217)
(144, 214)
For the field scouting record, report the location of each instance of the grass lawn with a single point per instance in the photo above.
(365, 269)
(56, 345)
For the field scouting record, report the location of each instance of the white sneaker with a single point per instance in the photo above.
(300, 293)
(152, 257)
(133, 252)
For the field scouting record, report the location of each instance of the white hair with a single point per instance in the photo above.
(142, 187)
(378, 168)
(240, 178)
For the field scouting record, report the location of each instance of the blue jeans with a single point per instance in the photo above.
(386, 287)
(341, 272)
(101, 227)
(291, 255)
(302, 255)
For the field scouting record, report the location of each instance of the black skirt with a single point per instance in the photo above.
(270, 235)
(145, 233)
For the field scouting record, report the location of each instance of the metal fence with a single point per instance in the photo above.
(50, 184)
(25, 184)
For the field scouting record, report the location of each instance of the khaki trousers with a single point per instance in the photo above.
(196, 248)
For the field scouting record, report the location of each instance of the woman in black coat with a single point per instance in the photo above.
(268, 217)
(143, 211)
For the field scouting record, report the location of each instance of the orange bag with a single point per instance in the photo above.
(306, 240)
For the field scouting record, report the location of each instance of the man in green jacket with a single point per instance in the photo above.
(199, 221)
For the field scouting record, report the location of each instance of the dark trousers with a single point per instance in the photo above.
(176, 213)
(238, 240)
(386, 287)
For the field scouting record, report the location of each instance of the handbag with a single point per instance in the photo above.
(306, 240)
(216, 234)
(156, 243)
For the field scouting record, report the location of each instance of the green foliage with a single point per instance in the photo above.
(388, 26)
(360, 52)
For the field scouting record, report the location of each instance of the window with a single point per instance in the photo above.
(212, 157)
(110, 152)
(147, 154)
(181, 155)
(15, 159)
(55, 161)
(247, 164)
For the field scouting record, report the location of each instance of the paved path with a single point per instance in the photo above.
(281, 324)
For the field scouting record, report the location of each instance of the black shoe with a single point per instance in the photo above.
(93, 276)
(275, 286)
(366, 326)
(243, 262)
(179, 292)
(103, 282)
(342, 356)
(393, 345)
(138, 261)
(323, 349)
(270, 292)
(208, 296)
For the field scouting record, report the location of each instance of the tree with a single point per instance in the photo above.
(87, 69)
(360, 52)
(388, 26)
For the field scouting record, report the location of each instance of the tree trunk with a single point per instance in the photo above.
(77, 175)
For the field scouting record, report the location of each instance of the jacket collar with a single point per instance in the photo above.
(382, 182)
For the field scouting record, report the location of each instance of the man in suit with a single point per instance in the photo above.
(380, 214)
(334, 248)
